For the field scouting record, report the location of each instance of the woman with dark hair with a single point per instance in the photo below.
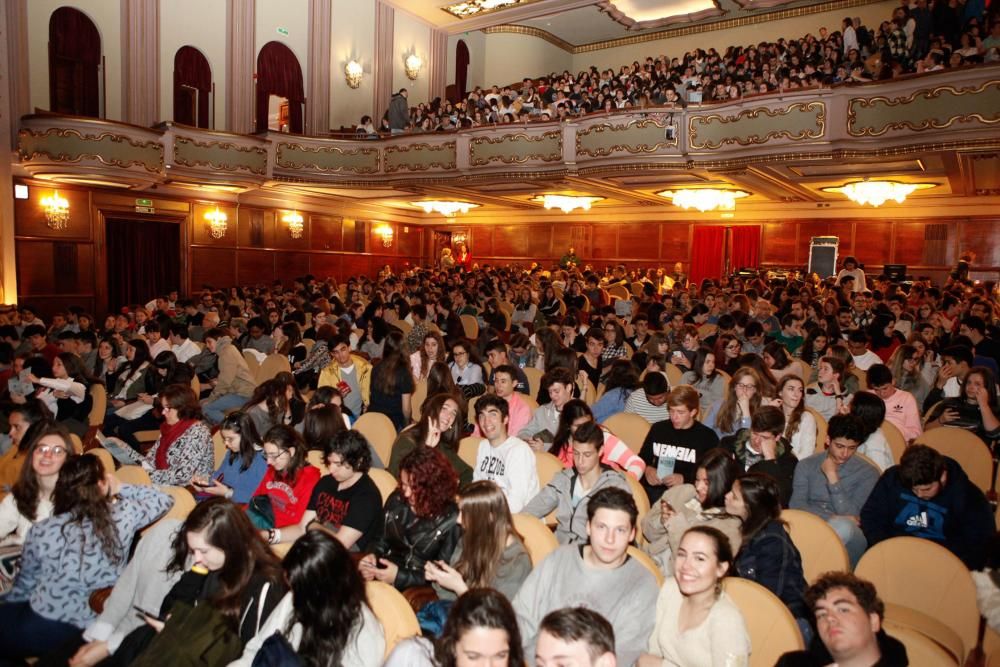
(705, 379)
(243, 465)
(130, 378)
(392, 383)
(421, 522)
(743, 397)
(329, 396)
(372, 341)
(800, 425)
(466, 370)
(614, 342)
(82, 547)
(67, 393)
(686, 505)
(621, 380)
(322, 422)
(728, 348)
(108, 360)
(288, 341)
(812, 350)
(164, 371)
(441, 425)
(612, 450)
(481, 622)
(324, 619)
(432, 349)
(30, 500)
(20, 418)
(696, 621)
(276, 401)
(549, 304)
(883, 337)
(283, 494)
(440, 381)
(870, 411)
(778, 361)
(346, 503)
(184, 449)
(767, 554)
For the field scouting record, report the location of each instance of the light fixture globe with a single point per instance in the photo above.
(412, 65)
(446, 208)
(567, 203)
(353, 73)
(295, 224)
(704, 199)
(877, 192)
(216, 223)
(56, 209)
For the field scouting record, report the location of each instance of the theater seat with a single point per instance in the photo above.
(385, 482)
(393, 612)
(379, 431)
(630, 429)
(818, 544)
(966, 448)
(772, 628)
(538, 539)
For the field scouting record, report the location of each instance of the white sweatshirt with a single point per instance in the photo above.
(512, 467)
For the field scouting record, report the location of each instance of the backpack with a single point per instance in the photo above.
(193, 637)
(276, 652)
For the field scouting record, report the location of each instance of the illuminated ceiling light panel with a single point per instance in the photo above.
(877, 192)
(445, 208)
(464, 10)
(704, 199)
(567, 203)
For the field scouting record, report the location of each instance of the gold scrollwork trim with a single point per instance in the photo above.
(333, 150)
(512, 138)
(223, 145)
(637, 148)
(113, 162)
(752, 139)
(436, 148)
(856, 103)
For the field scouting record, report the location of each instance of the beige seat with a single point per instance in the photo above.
(99, 404)
(281, 550)
(468, 447)
(471, 326)
(417, 399)
(393, 612)
(385, 482)
(862, 377)
(184, 502)
(805, 370)
(77, 443)
(818, 544)
(820, 428)
(706, 330)
(315, 459)
(646, 560)
(674, 375)
(772, 628)
(403, 326)
(252, 362)
(966, 448)
(379, 431)
(641, 502)
(218, 448)
(547, 466)
(196, 386)
(538, 539)
(308, 343)
(133, 475)
(271, 366)
(534, 380)
(104, 455)
(897, 443)
(926, 588)
(920, 650)
(619, 291)
(630, 429)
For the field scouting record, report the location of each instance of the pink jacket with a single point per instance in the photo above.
(901, 409)
(615, 452)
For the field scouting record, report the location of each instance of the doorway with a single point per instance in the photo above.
(143, 260)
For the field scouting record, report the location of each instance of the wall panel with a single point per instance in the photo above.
(605, 241)
(326, 232)
(675, 242)
(509, 241)
(778, 243)
(255, 267)
(980, 236)
(873, 243)
(481, 242)
(213, 266)
(638, 240)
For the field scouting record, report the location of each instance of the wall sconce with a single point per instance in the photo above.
(353, 73)
(294, 221)
(412, 65)
(385, 231)
(216, 223)
(56, 211)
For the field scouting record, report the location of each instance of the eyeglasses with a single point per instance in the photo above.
(747, 387)
(53, 450)
(275, 457)
(164, 408)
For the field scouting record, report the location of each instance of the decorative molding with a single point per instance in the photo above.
(553, 156)
(608, 7)
(482, 11)
(184, 145)
(818, 109)
(447, 162)
(857, 103)
(282, 161)
(140, 45)
(385, 17)
(531, 32)
(241, 61)
(318, 91)
(634, 149)
(31, 145)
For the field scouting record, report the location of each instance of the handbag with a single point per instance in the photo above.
(193, 637)
(261, 512)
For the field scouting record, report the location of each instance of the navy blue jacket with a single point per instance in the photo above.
(771, 560)
(958, 518)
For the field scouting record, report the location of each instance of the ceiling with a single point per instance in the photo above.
(587, 21)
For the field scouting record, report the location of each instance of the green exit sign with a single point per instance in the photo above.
(143, 202)
(283, 31)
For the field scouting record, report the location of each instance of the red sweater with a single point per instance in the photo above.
(289, 501)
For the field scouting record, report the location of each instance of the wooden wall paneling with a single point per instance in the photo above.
(981, 237)
(283, 237)
(409, 240)
(539, 243)
(375, 242)
(200, 233)
(290, 265)
(510, 241)
(638, 240)
(910, 244)
(36, 272)
(255, 267)
(874, 243)
(83, 275)
(778, 243)
(848, 232)
(481, 241)
(354, 265)
(29, 217)
(213, 266)
(807, 229)
(604, 239)
(325, 232)
(675, 243)
(322, 265)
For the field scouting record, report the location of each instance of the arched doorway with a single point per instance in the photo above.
(192, 87)
(461, 68)
(279, 89)
(74, 64)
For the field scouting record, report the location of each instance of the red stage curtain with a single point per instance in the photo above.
(191, 69)
(74, 60)
(143, 258)
(707, 253)
(746, 247)
(279, 73)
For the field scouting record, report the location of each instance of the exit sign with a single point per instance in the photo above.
(283, 31)
(143, 202)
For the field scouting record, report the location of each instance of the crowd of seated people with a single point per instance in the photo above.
(759, 396)
(920, 36)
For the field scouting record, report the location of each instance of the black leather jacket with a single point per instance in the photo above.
(410, 541)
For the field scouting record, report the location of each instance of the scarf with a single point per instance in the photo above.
(168, 436)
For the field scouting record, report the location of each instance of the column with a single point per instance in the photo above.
(318, 90)
(385, 17)
(140, 61)
(240, 65)
(13, 98)
(438, 65)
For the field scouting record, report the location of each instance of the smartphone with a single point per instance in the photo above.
(143, 613)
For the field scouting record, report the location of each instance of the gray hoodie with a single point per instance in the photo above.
(557, 496)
